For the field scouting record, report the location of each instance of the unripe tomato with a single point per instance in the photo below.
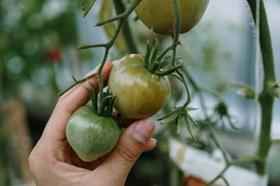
(158, 15)
(91, 136)
(139, 93)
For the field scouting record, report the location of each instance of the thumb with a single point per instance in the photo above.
(134, 141)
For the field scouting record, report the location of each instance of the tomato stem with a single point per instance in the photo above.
(266, 99)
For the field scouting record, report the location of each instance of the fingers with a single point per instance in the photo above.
(125, 122)
(134, 141)
(151, 144)
(69, 103)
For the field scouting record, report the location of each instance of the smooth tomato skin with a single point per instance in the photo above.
(158, 15)
(91, 136)
(139, 93)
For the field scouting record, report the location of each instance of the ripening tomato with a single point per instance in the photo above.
(158, 15)
(90, 135)
(139, 93)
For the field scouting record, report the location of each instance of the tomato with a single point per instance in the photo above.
(91, 136)
(158, 15)
(54, 55)
(138, 93)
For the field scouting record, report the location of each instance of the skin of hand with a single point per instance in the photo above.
(53, 162)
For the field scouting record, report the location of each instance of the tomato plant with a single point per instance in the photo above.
(90, 135)
(139, 85)
(158, 15)
(138, 92)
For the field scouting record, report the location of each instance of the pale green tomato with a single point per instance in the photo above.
(158, 15)
(91, 136)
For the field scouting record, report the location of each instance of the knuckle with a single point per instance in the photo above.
(32, 161)
(127, 152)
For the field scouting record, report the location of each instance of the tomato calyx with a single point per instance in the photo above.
(222, 116)
(105, 108)
(156, 63)
(181, 117)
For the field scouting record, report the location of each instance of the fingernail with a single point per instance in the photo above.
(143, 131)
(153, 140)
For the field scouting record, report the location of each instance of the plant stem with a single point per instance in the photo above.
(220, 175)
(120, 8)
(266, 99)
(177, 176)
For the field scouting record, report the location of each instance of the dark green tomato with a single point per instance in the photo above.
(158, 15)
(91, 136)
(139, 93)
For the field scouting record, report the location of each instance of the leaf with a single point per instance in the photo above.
(192, 121)
(87, 5)
(188, 123)
(181, 125)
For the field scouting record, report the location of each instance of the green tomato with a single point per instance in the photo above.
(139, 93)
(91, 136)
(158, 15)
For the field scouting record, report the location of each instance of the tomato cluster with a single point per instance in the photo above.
(138, 85)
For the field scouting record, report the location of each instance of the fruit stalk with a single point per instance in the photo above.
(266, 98)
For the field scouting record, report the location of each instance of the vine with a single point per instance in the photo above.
(266, 97)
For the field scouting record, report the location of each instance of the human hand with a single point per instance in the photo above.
(53, 162)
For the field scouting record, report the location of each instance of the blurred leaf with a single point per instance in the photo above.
(188, 122)
(87, 5)
(181, 124)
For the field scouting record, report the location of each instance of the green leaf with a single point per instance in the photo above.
(181, 125)
(87, 5)
(188, 123)
(192, 121)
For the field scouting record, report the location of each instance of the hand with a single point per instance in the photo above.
(53, 162)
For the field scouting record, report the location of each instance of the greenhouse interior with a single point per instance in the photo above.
(140, 93)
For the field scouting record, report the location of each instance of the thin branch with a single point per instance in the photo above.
(117, 18)
(225, 181)
(219, 176)
(215, 140)
(245, 160)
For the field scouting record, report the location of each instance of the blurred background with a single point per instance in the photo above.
(38, 56)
